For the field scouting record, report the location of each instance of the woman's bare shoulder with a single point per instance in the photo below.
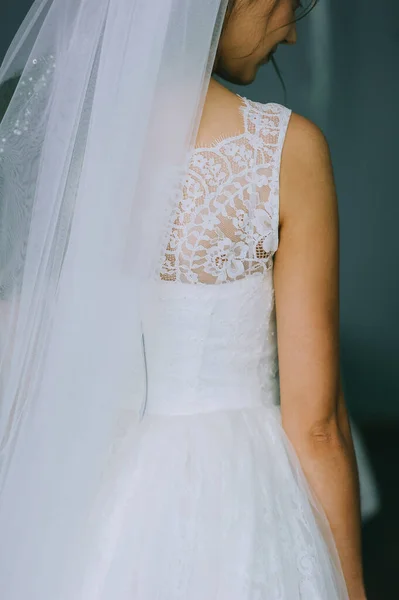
(304, 134)
(306, 170)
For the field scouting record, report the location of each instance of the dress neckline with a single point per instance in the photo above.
(222, 140)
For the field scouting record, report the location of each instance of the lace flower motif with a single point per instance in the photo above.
(225, 225)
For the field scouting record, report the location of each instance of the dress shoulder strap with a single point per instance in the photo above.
(267, 125)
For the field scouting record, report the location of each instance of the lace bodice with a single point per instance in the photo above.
(214, 346)
(225, 225)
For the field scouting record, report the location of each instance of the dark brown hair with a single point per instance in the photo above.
(304, 12)
(306, 9)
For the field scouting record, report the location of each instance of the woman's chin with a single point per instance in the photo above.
(244, 77)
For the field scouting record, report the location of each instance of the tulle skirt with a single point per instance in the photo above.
(211, 507)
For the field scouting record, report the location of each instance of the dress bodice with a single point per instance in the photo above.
(211, 338)
(225, 225)
(212, 347)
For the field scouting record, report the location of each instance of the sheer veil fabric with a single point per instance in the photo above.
(92, 148)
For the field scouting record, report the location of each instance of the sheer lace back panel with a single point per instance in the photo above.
(225, 226)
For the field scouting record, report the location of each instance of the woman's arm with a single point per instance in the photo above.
(306, 276)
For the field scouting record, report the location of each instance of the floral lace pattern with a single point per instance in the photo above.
(225, 225)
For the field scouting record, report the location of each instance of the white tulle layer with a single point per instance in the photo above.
(212, 507)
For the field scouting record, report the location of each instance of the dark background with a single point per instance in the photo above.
(344, 75)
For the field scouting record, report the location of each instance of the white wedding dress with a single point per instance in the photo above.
(212, 503)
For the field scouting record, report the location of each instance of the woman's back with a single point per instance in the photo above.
(226, 223)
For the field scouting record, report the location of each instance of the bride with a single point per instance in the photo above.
(172, 422)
